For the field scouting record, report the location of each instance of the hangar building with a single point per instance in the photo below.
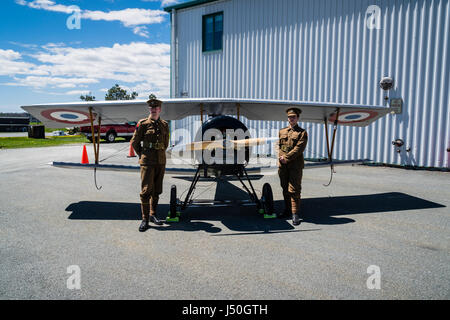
(325, 51)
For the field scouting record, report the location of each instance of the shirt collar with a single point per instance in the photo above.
(150, 119)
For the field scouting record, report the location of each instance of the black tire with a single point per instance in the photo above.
(267, 199)
(110, 137)
(173, 201)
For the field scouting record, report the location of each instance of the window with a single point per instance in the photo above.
(212, 31)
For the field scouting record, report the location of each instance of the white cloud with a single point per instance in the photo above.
(53, 82)
(78, 92)
(9, 55)
(46, 5)
(23, 45)
(164, 2)
(141, 31)
(140, 66)
(131, 17)
(11, 64)
(168, 2)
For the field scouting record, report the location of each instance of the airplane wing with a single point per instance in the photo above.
(76, 114)
(264, 169)
(56, 115)
(349, 114)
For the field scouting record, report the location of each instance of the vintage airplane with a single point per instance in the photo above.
(215, 115)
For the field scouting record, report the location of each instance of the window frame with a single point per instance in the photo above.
(204, 17)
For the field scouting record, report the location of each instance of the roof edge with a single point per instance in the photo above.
(187, 5)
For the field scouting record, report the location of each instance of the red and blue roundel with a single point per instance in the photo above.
(354, 116)
(67, 116)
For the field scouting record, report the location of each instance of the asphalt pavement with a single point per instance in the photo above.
(374, 233)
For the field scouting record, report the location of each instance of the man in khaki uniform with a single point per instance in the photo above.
(292, 143)
(150, 141)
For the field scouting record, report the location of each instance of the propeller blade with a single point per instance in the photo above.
(252, 142)
(198, 145)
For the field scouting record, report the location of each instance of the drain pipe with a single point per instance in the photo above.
(173, 56)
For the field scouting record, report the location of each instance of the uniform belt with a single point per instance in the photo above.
(154, 145)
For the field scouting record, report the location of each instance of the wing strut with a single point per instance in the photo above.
(201, 112)
(330, 152)
(96, 143)
(238, 111)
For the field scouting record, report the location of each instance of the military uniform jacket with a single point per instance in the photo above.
(150, 141)
(292, 143)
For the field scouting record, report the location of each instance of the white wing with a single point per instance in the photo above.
(56, 115)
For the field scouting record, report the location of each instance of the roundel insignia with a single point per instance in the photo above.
(354, 116)
(67, 116)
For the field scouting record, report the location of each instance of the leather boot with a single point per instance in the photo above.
(145, 210)
(295, 203)
(144, 226)
(153, 206)
(287, 207)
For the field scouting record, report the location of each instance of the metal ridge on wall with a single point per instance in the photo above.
(332, 51)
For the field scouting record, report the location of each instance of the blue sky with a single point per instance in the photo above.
(47, 56)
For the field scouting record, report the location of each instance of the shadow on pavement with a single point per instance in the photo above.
(246, 220)
(325, 210)
(241, 219)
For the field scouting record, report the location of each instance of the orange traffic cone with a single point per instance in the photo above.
(131, 153)
(84, 157)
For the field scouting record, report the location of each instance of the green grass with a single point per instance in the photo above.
(51, 129)
(48, 129)
(25, 142)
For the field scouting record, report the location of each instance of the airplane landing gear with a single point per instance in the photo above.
(267, 202)
(174, 215)
(264, 206)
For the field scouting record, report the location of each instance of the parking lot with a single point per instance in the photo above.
(370, 219)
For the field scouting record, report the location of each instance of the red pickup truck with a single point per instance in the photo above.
(110, 132)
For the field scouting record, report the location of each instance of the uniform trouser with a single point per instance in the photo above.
(151, 187)
(291, 183)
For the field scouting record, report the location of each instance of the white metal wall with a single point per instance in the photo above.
(324, 51)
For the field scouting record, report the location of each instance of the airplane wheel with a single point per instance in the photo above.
(267, 199)
(173, 201)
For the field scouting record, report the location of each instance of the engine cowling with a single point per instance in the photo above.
(224, 128)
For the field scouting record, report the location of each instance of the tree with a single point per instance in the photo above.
(88, 97)
(117, 93)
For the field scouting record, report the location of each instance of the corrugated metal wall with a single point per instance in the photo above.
(324, 51)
